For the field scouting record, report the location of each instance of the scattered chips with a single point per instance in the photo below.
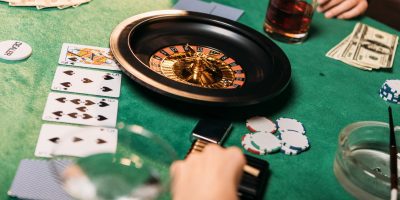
(258, 123)
(291, 140)
(14, 50)
(390, 91)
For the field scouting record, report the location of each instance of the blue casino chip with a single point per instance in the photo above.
(390, 91)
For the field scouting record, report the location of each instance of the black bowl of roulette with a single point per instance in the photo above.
(260, 69)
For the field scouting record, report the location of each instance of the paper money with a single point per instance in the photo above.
(40, 4)
(366, 48)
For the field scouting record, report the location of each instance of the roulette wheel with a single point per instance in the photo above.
(200, 58)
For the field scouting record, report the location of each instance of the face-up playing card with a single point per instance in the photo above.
(75, 141)
(37, 179)
(87, 81)
(87, 56)
(226, 11)
(80, 109)
(195, 6)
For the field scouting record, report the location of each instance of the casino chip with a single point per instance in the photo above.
(14, 50)
(288, 151)
(287, 124)
(390, 91)
(267, 142)
(258, 123)
(294, 140)
(248, 145)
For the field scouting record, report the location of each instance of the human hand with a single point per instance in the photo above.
(342, 9)
(212, 174)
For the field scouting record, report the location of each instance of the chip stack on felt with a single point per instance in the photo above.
(265, 139)
(390, 91)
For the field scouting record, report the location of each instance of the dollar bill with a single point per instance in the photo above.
(366, 48)
(40, 4)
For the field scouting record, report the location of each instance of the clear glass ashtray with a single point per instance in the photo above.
(362, 159)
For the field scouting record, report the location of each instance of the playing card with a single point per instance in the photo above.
(87, 56)
(87, 81)
(80, 109)
(194, 5)
(37, 179)
(226, 11)
(22, 2)
(75, 141)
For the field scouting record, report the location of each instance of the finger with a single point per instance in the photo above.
(320, 2)
(329, 5)
(341, 8)
(175, 168)
(236, 162)
(212, 148)
(358, 10)
(236, 156)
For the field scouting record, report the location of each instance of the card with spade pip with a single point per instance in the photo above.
(87, 81)
(75, 141)
(81, 109)
(87, 56)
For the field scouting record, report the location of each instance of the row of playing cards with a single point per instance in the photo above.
(85, 76)
(35, 179)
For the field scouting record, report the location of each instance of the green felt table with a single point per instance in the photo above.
(325, 94)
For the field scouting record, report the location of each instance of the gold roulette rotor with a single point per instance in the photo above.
(198, 66)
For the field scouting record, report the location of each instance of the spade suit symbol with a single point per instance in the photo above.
(66, 84)
(86, 80)
(69, 72)
(61, 99)
(105, 89)
(101, 118)
(86, 116)
(73, 59)
(100, 141)
(73, 115)
(76, 101)
(76, 139)
(88, 103)
(82, 109)
(108, 77)
(54, 140)
(58, 113)
(103, 104)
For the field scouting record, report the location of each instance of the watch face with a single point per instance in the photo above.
(198, 66)
(200, 58)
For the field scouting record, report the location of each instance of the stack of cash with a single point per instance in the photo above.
(366, 48)
(40, 4)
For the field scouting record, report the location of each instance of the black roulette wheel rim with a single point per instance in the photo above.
(266, 66)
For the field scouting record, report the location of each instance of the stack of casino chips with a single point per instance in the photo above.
(390, 91)
(290, 140)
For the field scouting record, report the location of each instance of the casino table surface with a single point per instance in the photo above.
(324, 94)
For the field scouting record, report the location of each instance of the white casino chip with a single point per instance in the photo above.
(286, 150)
(287, 124)
(14, 50)
(257, 123)
(295, 140)
(248, 145)
(266, 142)
(394, 85)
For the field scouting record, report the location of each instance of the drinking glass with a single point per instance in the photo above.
(289, 20)
(362, 162)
